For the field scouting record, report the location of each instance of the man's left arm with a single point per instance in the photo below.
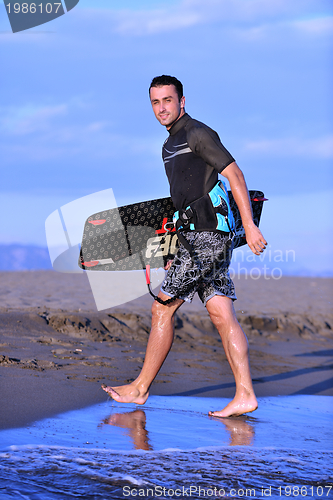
(254, 237)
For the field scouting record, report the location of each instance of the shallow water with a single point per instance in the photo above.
(171, 449)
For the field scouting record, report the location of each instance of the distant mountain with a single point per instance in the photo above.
(17, 257)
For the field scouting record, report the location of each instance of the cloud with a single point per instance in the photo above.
(247, 14)
(154, 22)
(319, 26)
(40, 133)
(97, 126)
(35, 117)
(308, 28)
(23, 120)
(321, 147)
(253, 19)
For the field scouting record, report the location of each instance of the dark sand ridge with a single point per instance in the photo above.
(56, 349)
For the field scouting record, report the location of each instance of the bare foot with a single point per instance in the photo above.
(126, 394)
(236, 407)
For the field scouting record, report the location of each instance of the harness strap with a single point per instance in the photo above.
(180, 223)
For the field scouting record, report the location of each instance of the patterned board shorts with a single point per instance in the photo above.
(206, 273)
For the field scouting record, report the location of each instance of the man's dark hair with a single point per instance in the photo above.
(160, 81)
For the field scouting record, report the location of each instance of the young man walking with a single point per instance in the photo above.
(193, 157)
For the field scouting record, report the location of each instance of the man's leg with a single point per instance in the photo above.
(222, 314)
(159, 344)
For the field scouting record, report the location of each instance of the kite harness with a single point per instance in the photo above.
(211, 212)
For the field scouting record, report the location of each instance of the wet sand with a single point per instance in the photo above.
(56, 349)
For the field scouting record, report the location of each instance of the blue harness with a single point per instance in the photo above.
(211, 212)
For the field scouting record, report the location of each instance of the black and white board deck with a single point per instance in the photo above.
(133, 236)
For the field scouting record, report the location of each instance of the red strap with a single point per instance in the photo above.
(90, 263)
(148, 274)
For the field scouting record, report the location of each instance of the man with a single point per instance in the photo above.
(193, 156)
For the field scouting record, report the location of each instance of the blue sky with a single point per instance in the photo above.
(75, 116)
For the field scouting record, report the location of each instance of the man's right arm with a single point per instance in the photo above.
(206, 143)
(254, 237)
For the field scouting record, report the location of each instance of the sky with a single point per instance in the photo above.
(75, 116)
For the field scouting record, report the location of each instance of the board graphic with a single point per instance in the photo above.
(133, 236)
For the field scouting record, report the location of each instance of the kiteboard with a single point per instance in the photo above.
(134, 236)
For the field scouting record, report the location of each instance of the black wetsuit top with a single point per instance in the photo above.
(193, 156)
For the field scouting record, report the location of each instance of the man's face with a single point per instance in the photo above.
(166, 105)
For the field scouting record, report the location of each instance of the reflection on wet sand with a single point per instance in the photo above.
(135, 424)
(240, 429)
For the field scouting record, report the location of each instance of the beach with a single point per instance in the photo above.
(57, 350)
